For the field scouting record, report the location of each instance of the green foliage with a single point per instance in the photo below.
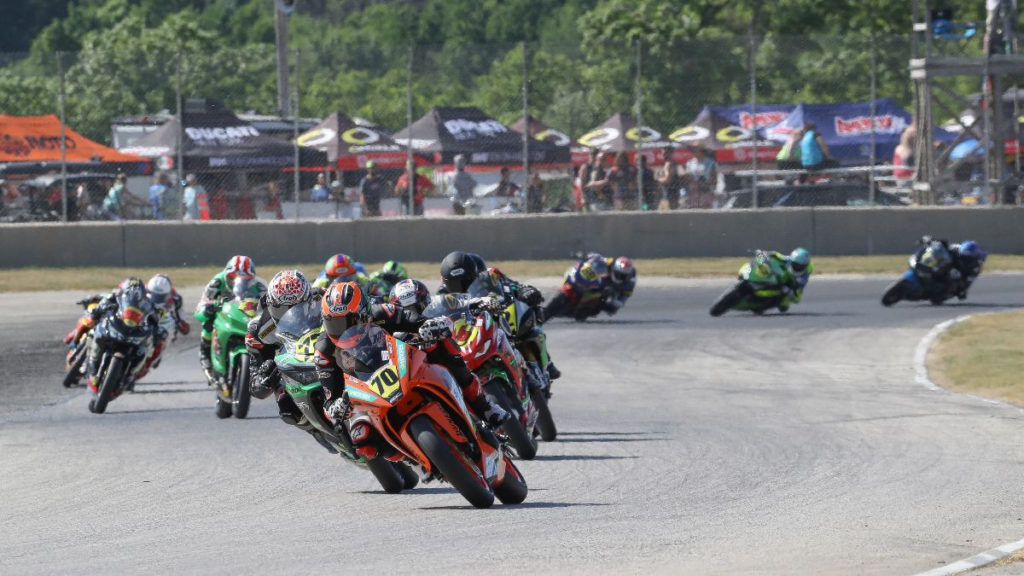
(353, 55)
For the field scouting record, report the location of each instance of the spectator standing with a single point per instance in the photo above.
(814, 154)
(113, 204)
(621, 179)
(594, 184)
(536, 196)
(420, 186)
(788, 157)
(320, 192)
(197, 205)
(372, 188)
(157, 194)
(650, 193)
(274, 200)
(669, 180)
(506, 187)
(701, 177)
(903, 155)
(463, 184)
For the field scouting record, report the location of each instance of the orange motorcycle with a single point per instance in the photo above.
(418, 408)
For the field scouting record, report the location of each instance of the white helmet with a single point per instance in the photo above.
(159, 288)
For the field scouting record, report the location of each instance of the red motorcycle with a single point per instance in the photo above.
(488, 352)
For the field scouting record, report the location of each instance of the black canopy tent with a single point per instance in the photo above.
(445, 132)
(215, 139)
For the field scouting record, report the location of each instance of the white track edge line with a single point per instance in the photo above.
(975, 561)
(921, 376)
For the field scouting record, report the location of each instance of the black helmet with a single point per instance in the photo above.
(458, 270)
(480, 264)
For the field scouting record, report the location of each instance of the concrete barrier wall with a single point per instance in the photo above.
(824, 231)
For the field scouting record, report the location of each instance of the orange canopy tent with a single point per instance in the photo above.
(37, 139)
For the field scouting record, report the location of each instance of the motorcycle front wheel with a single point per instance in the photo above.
(525, 446)
(545, 421)
(894, 293)
(457, 467)
(75, 366)
(387, 474)
(240, 387)
(729, 299)
(111, 380)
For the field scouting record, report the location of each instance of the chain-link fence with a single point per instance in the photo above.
(210, 140)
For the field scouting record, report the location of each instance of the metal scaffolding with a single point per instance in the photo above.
(933, 71)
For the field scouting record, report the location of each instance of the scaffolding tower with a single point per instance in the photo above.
(933, 70)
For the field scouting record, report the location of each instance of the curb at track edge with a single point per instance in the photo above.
(921, 377)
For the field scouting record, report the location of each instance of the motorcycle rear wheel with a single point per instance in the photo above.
(458, 468)
(387, 474)
(729, 299)
(115, 372)
(545, 421)
(513, 489)
(524, 445)
(240, 388)
(894, 293)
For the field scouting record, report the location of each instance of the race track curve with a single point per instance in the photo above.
(781, 444)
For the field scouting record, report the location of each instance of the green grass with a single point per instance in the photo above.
(981, 355)
(102, 278)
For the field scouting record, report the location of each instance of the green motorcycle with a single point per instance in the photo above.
(298, 331)
(760, 288)
(229, 356)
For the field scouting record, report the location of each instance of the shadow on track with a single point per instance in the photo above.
(570, 457)
(527, 504)
(561, 440)
(156, 411)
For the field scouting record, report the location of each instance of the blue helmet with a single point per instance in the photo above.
(799, 259)
(970, 249)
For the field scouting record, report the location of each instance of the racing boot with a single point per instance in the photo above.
(488, 411)
(553, 373)
(204, 361)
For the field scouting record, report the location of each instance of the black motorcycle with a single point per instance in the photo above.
(120, 341)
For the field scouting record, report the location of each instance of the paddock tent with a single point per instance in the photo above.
(37, 139)
(445, 132)
(730, 142)
(542, 131)
(349, 145)
(743, 115)
(621, 133)
(214, 139)
(847, 128)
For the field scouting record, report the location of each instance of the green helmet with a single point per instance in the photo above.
(394, 269)
(799, 259)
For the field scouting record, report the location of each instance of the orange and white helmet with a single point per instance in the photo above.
(340, 267)
(344, 305)
(240, 267)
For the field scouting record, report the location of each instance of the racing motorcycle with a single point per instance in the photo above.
(78, 343)
(122, 340)
(228, 354)
(488, 353)
(528, 338)
(930, 276)
(584, 292)
(759, 288)
(419, 410)
(298, 331)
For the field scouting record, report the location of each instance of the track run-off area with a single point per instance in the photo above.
(776, 444)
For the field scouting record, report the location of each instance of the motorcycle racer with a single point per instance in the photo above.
(131, 296)
(167, 306)
(586, 280)
(219, 288)
(339, 268)
(345, 305)
(968, 258)
(286, 289)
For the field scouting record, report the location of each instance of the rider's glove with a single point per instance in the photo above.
(183, 327)
(485, 303)
(530, 295)
(436, 329)
(252, 342)
(339, 409)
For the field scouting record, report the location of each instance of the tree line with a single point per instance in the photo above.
(124, 57)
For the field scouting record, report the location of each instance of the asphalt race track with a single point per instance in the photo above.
(780, 444)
